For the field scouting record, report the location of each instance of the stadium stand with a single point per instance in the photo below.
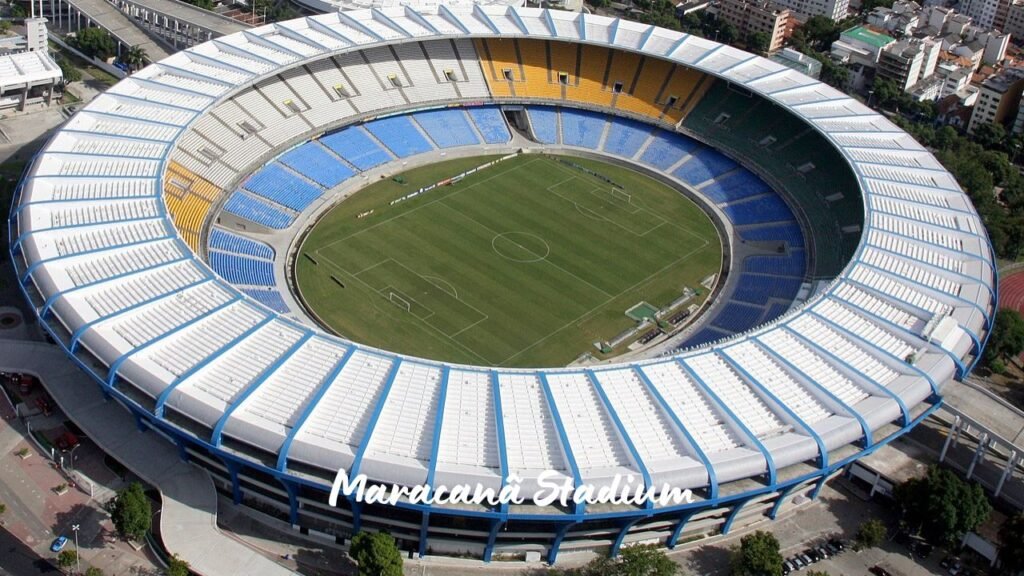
(582, 128)
(734, 186)
(221, 239)
(257, 210)
(447, 128)
(665, 150)
(625, 137)
(491, 124)
(283, 187)
(400, 135)
(317, 164)
(241, 270)
(188, 199)
(544, 121)
(703, 165)
(789, 233)
(356, 147)
(758, 209)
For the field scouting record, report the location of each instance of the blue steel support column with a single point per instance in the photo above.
(733, 514)
(637, 459)
(236, 488)
(112, 375)
(293, 501)
(161, 400)
(435, 448)
(357, 461)
(822, 451)
(218, 429)
(769, 462)
(500, 434)
(882, 390)
(678, 530)
(621, 536)
(783, 494)
(578, 507)
(818, 486)
(557, 542)
(712, 479)
(492, 536)
(282, 455)
(867, 440)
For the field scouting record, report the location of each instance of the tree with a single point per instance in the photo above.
(68, 70)
(135, 58)
(96, 42)
(759, 41)
(835, 75)
(648, 560)
(1011, 551)
(93, 571)
(757, 555)
(941, 506)
(5, 26)
(131, 512)
(377, 554)
(176, 566)
(67, 558)
(18, 11)
(3, 508)
(870, 534)
(1007, 339)
(990, 135)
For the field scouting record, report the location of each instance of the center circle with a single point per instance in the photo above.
(520, 247)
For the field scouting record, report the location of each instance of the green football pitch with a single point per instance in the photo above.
(525, 263)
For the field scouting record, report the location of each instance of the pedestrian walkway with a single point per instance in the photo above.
(188, 522)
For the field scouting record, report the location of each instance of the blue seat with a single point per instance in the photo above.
(317, 164)
(789, 232)
(734, 186)
(545, 124)
(625, 137)
(736, 317)
(582, 128)
(792, 264)
(758, 289)
(703, 166)
(400, 135)
(447, 128)
(774, 311)
(241, 269)
(356, 147)
(760, 209)
(275, 183)
(667, 149)
(270, 298)
(256, 210)
(491, 124)
(703, 336)
(226, 241)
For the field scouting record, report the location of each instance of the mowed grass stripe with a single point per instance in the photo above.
(535, 313)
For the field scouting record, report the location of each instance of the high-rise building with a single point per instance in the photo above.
(832, 9)
(999, 99)
(987, 13)
(756, 16)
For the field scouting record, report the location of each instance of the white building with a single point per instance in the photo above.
(831, 9)
(27, 78)
(986, 13)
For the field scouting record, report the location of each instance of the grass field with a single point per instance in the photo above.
(525, 263)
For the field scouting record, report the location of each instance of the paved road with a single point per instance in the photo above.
(17, 559)
(120, 25)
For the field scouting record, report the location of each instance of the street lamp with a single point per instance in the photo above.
(78, 555)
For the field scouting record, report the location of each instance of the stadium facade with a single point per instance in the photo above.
(110, 216)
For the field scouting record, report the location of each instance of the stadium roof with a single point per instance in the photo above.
(97, 251)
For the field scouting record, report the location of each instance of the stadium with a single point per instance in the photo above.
(160, 233)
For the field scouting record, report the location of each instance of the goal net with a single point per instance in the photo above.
(622, 195)
(397, 300)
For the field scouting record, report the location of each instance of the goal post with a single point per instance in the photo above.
(399, 301)
(622, 195)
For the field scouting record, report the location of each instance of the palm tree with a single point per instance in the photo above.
(135, 58)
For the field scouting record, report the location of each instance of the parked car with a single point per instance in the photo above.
(787, 567)
(838, 544)
(832, 550)
(807, 559)
(822, 551)
(813, 555)
(59, 544)
(879, 571)
(798, 562)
